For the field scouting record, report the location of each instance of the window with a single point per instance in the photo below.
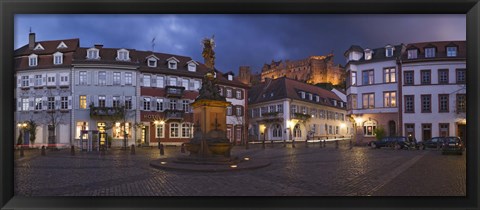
(32, 60)
(412, 54)
(25, 81)
(128, 102)
(409, 104)
(410, 130)
(38, 103)
(160, 81)
(354, 78)
(173, 104)
(330, 131)
(101, 101)
(239, 94)
(116, 78)
(461, 103)
(389, 75)
(443, 103)
(390, 99)
(102, 78)
(353, 101)
(172, 81)
(389, 52)
(239, 111)
(185, 83)
(186, 130)
(92, 53)
(122, 55)
(81, 126)
(174, 130)
(38, 80)
(152, 62)
(444, 129)
(83, 78)
(337, 130)
(461, 75)
(277, 131)
(128, 78)
(57, 58)
(116, 101)
(294, 108)
(451, 51)
(367, 77)
(426, 103)
(64, 102)
(50, 103)
(25, 104)
(297, 132)
(146, 80)
(63, 79)
(172, 65)
(186, 106)
(271, 108)
(429, 52)
(192, 67)
(369, 101)
(196, 85)
(229, 110)
(302, 94)
(369, 128)
(425, 75)
(443, 76)
(159, 104)
(83, 102)
(146, 103)
(280, 108)
(159, 130)
(119, 131)
(368, 54)
(229, 93)
(408, 77)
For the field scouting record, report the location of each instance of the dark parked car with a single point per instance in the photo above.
(435, 142)
(452, 144)
(400, 142)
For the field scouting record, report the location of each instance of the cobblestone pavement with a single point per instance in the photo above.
(299, 171)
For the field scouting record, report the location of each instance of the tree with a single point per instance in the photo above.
(53, 117)
(379, 132)
(32, 129)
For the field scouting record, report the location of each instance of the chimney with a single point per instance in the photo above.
(31, 41)
(98, 46)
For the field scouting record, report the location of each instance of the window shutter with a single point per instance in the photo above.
(70, 102)
(57, 102)
(57, 79)
(122, 78)
(141, 80)
(180, 105)
(122, 100)
(241, 94)
(77, 102)
(109, 101)
(88, 101)
(134, 78)
(140, 103)
(31, 104)
(134, 102)
(95, 101)
(44, 79)
(44, 103)
(153, 81)
(109, 78)
(89, 77)
(19, 108)
(95, 78)
(19, 82)
(191, 85)
(32, 81)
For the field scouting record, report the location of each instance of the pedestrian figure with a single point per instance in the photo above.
(72, 150)
(284, 143)
(162, 152)
(43, 151)
(324, 143)
(132, 150)
(271, 142)
(351, 145)
(182, 149)
(263, 143)
(336, 144)
(293, 143)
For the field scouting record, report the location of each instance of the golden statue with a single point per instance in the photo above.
(208, 53)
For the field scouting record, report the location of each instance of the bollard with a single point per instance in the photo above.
(336, 144)
(182, 149)
(293, 143)
(72, 150)
(43, 151)
(271, 142)
(284, 143)
(306, 143)
(263, 144)
(132, 150)
(162, 152)
(246, 145)
(351, 145)
(21, 151)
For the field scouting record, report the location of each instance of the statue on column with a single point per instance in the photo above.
(209, 89)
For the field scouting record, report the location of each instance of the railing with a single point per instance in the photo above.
(106, 112)
(174, 114)
(174, 91)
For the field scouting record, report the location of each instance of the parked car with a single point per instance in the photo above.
(435, 142)
(452, 144)
(400, 142)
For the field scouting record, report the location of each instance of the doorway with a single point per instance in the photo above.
(392, 128)
(462, 132)
(426, 131)
(145, 136)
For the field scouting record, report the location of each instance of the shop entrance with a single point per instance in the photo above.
(462, 132)
(145, 136)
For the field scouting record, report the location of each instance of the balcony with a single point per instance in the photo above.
(174, 114)
(174, 91)
(106, 113)
(300, 116)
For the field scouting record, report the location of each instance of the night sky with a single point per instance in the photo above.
(243, 39)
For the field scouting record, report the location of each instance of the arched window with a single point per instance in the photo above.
(369, 127)
(174, 132)
(186, 130)
(296, 131)
(277, 131)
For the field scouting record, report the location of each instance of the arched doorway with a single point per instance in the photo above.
(276, 132)
(392, 128)
(297, 132)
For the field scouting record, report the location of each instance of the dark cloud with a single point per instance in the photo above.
(243, 39)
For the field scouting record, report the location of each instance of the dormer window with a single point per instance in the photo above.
(451, 51)
(368, 54)
(39, 47)
(62, 45)
(230, 77)
(93, 53)
(412, 54)
(32, 60)
(58, 58)
(122, 55)
(192, 65)
(388, 51)
(302, 94)
(172, 63)
(429, 52)
(152, 62)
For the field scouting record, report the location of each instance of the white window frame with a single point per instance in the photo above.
(430, 52)
(82, 74)
(160, 81)
(186, 129)
(128, 78)
(174, 131)
(123, 55)
(388, 52)
(33, 60)
(368, 54)
(185, 83)
(172, 64)
(192, 67)
(93, 53)
(58, 58)
(161, 127)
(451, 53)
(412, 54)
(25, 81)
(154, 62)
(147, 80)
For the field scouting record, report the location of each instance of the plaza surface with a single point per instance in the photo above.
(299, 171)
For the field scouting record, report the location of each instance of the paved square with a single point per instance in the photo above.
(299, 171)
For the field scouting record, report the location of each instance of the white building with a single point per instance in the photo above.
(372, 90)
(286, 109)
(434, 90)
